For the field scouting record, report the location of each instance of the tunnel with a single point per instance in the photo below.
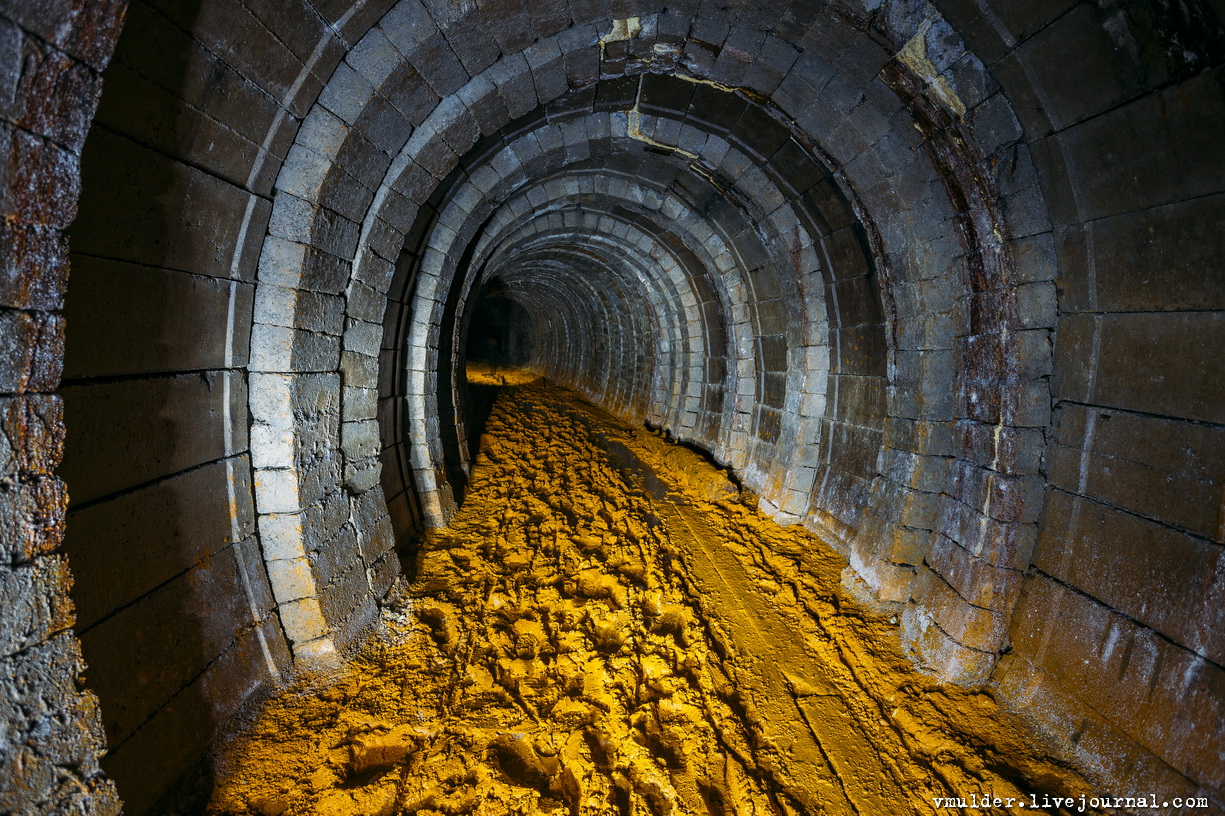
(936, 281)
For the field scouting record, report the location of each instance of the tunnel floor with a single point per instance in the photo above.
(608, 626)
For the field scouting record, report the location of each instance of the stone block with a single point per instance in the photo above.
(263, 55)
(405, 515)
(330, 231)
(303, 173)
(276, 491)
(347, 93)
(977, 581)
(123, 217)
(1003, 497)
(1005, 544)
(354, 628)
(408, 26)
(409, 94)
(548, 16)
(33, 267)
(365, 303)
(31, 351)
(32, 519)
(87, 32)
(130, 319)
(347, 594)
(35, 598)
(929, 473)
(1153, 690)
(299, 309)
(470, 35)
(437, 64)
(281, 349)
(55, 737)
(940, 654)
(303, 621)
(382, 574)
(362, 474)
(331, 558)
(890, 583)
(359, 403)
(917, 509)
(363, 338)
(1108, 73)
(159, 753)
(346, 194)
(281, 535)
(1036, 305)
(366, 164)
(359, 439)
(272, 446)
(318, 478)
(323, 520)
(45, 182)
(1035, 259)
(384, 239)
(374, 56)
(358, 370)
(384, 125)
(907, 546)
(322, 133)
(31, 436)
(376, 272)
(171, 634)
(142, 539)
(291, 579)
(1160, 577)
(116, 445)
(510, 25)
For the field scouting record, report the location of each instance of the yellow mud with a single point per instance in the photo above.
(606, 628)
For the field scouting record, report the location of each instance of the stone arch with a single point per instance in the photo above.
(962, 224)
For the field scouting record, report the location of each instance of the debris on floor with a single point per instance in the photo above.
(607, 627)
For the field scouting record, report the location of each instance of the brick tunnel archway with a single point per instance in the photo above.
(886, 263)
(762, 156)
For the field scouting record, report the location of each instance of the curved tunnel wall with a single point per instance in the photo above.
(894, 265)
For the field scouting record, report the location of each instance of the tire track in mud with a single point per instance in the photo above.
(605, 627)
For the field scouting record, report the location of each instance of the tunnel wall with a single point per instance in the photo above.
(1118, 631)
(50, 727)
(1017, 447)
(177, 620)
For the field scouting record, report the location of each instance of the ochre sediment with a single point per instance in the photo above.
(605, 627)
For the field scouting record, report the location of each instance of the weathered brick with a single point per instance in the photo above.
(54, 726)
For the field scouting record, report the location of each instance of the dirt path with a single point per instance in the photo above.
(605, 628)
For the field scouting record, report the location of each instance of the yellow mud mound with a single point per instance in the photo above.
(605, 628)
(489, 374)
